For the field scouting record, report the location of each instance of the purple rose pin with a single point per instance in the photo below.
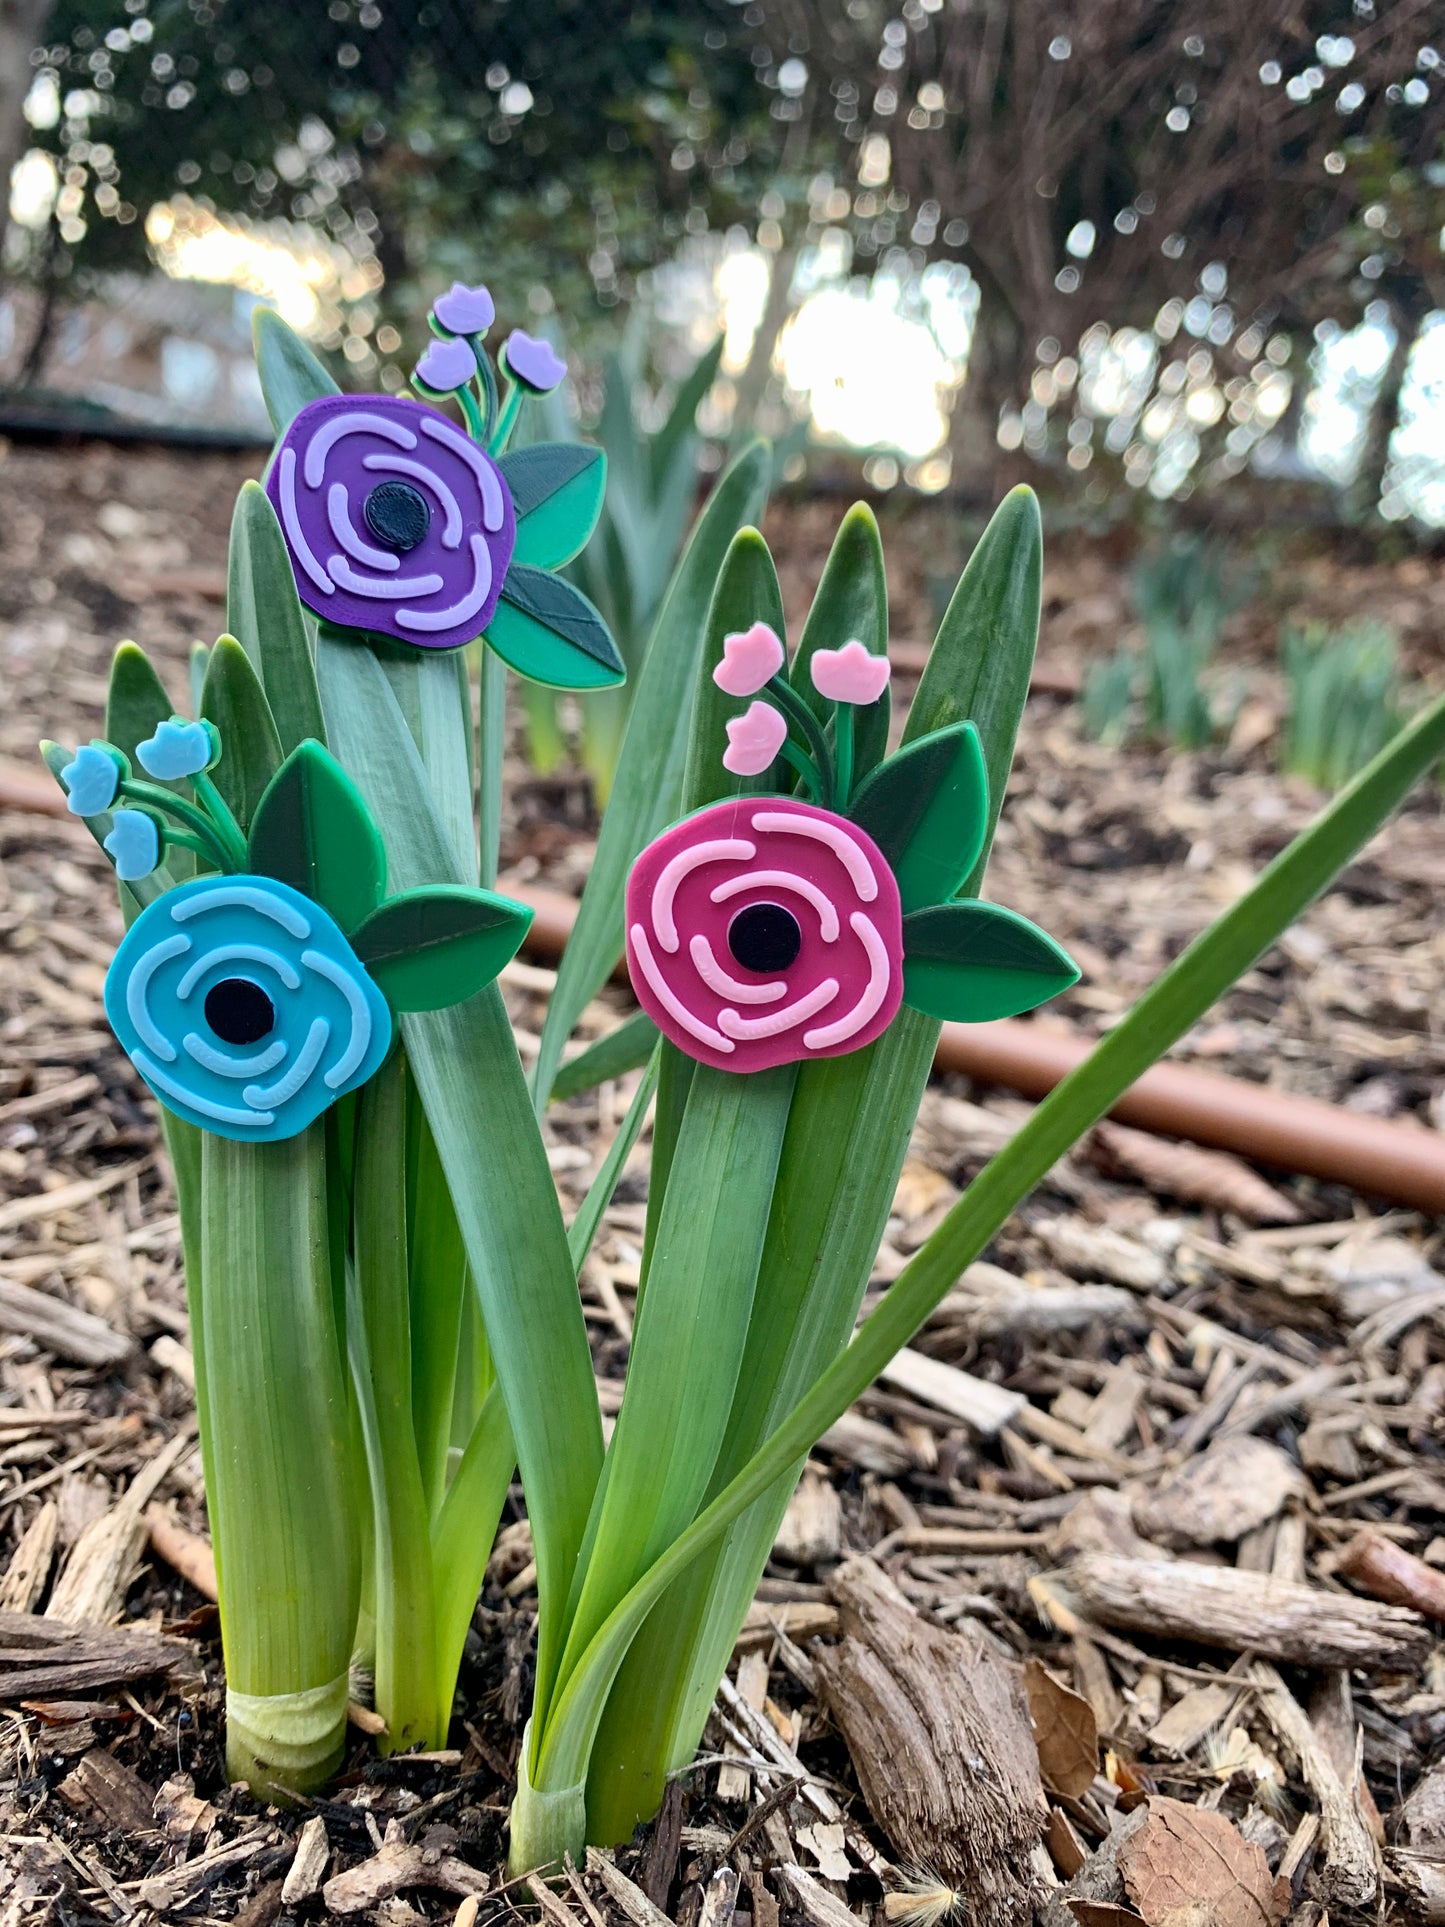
(395, 520)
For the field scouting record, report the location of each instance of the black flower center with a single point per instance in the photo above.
(238, 1011)
(397, 514)
(764, 937)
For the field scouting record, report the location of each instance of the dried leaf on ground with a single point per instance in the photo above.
(1186, 1858)
(1064, 1728)
(1194, 1175)
(1238, 1484)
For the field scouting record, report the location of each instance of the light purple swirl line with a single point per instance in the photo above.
(338, 505)
(340, 426)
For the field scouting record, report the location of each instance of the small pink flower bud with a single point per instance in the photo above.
(754, 739)
(851, 674)
(750, 658)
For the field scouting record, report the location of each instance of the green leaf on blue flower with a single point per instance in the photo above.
(927, 810)
(557, 490)
(546, 629)
(970, 962)
(313, 831)
(439, 944)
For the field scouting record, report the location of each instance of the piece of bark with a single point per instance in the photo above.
(811, 1533)
(106, 1557)
(1246, 1611)
(1421, 1884)
(1039, 1310)
(983, 1407)
(734, 1782)
(184, 1817)
(1193, 1716)
(1097, 1251)
(179, 1886)
(813, 1900)
(1234, 1487)
(304, 1875)
(796, 1619)
(1332, 1715)
(663, 1848)
(1098, 1884)
(29, 1566)
(398, 1865)
(101, 1785)
(40, 1658)
(938, 1730)
(1187, 1858)
(1100, 1521)
(866, 1443)
(627, 1895)
(719, 1899)
(1387, 1571)
(1350, 1874)
(184, 1552)
(1065, 1733)
(1111, 1416)
(76, 1336)
(1422, 1817)
(1193, 1174)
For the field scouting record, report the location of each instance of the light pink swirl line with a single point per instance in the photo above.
(671, 1003)
(853, 860)
(719, 849)
(784, 880)
(718, 980)
(852, 1021)
(777, 1021)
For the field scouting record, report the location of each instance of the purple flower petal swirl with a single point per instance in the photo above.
(395, 520)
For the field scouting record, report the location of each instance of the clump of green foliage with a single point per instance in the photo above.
(1345, 698)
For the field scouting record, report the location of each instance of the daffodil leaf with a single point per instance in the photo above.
(557, 490)
(313, 831)
(290, 374)
(546, 629)
(440, 943)
(232, 698)
(927, 810)
(971, 962)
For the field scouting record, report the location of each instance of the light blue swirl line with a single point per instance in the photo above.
(344, 422)
(419, 472)
(192, 1100)
(360, 1016)
(249, 898)
(287, 1086)
(250, 952)
(223, 1066)
(338, 504)
(135, 995)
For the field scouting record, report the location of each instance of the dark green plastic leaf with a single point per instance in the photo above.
(557, 490)
(970, 962)
(852, 602)
(546, 629)
(313, 831)
(439, 944)
(232, 698)
(927, 810)
(263, 613)
(290, 374)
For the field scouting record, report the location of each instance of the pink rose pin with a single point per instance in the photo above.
(754, 739)
(751, 658)
(851, 674)
(466, 311)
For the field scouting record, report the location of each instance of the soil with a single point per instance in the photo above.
(1239, 1371)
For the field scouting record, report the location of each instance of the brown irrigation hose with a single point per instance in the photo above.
(1402, 1162)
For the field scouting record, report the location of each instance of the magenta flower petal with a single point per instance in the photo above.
(851, 674)
(534, 362)
(754, 739)
(446, 365)
(749, 660)
(395, 520)
(765, 931)
(466, 311)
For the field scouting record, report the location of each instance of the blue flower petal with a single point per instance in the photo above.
(177, 749)
(244, 1008)
(134, 844)
(91, 779)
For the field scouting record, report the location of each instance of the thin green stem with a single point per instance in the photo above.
(476, 420)
(507, 421)
(796, 709)
(185, 841)
(229, 853)
(843, 748)
(803, 763)
(220, 813)
(488, 382)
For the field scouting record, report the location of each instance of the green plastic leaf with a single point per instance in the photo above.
(647, 789)
(290, 374)
(435, 945)
(312, 830)
(557, 490)
(546, 629)
(927, 810)
(232, 698)
(620, 1051)
(970, 962)
(851, 603)
(263, 613)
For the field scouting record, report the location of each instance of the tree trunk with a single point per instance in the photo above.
(21, 24)
(1362, 497)
(753, 382)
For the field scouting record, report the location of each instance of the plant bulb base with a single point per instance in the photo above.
(283, 1744)
(546, 1826)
